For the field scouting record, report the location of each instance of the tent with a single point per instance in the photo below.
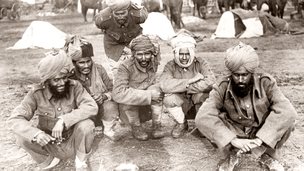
(41, 34)
(158, 24)
(239, 23)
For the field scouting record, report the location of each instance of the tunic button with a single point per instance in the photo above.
(240, 117)
(59, 108)
(46, 113)
(249, 117)
(247, 106)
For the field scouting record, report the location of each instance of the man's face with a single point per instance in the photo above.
(143, 58)
(59, 85)
(184, 56)
(83, 65)
(242, 81)
(121, 16)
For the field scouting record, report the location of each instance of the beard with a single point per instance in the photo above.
(60, 95)
(242, 91)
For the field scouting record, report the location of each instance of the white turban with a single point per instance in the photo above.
(183, 41)
(54, 63)
(241, 55)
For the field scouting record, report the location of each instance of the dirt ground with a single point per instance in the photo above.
(281, 55)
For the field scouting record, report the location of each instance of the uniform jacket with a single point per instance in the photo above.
(117, 37)
(76, 106)
(274, 114)
(174, 78)
(131, 83)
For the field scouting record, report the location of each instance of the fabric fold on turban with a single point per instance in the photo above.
(118, 5)
(54, 63)
(241, 55)
(147, 43)
(183, 40)
(74, 50)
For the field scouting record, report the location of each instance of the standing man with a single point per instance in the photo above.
(135, 86)
(120, 23)
(246, 112)
(63, 108)
(186, 81)
(96, 81)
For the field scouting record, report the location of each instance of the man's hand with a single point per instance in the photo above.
(157, 96)
(245, 145)
(43, 138)
(196, 78)
(99, 99)
(58, 128)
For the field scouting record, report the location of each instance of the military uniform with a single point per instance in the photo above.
(74, 109)
(270, 116)
(117, 37)
(174, 83)
(132, 91)
(108, 111)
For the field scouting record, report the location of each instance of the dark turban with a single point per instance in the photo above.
(241, 55)
(77, 47)
(118, 5)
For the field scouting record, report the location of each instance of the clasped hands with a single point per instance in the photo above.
(245, 145)
(99, 99)
(43, 138)
(157, 96)
(196, 78)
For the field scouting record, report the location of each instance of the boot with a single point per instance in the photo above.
(157, 131)
(229, 163)
(138, 133)
(271, 163)
(108, 130)
(178, 130)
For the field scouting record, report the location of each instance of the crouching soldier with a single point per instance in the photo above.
(63, 107)
(96, 81)
(246, 112)
(135, 86)
(186, 81)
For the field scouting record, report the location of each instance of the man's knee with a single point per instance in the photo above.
(173, 100)
(86, 126)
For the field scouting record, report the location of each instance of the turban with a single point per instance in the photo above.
(241, 55)
(118, 5)
(52, 64)
(77, 47)
(147, 43)
(183, 40)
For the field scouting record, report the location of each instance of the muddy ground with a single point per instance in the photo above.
(281, 55)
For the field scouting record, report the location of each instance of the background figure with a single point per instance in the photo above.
(120, 23)
(96, 81)
(246, 112)
(63, 107)
(135, 86)
(186, 81)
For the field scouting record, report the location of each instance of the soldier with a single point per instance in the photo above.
(246, 112)
(96, 81)
(135, 86)
(186, 81)
(63, 108)
(120, 23)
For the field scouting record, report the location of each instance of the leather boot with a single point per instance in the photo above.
(157, 131)
(139, 133)
(109, 131)
(178, 130)
(229, 163)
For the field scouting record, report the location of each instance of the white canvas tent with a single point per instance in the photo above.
(41, 34)
(240, 23)
(158, 24)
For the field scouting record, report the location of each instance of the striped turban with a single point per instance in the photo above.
(147, 43)
(52, 64)
(183, 41)
(77, 47)
(241, 55)
(118, 5)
